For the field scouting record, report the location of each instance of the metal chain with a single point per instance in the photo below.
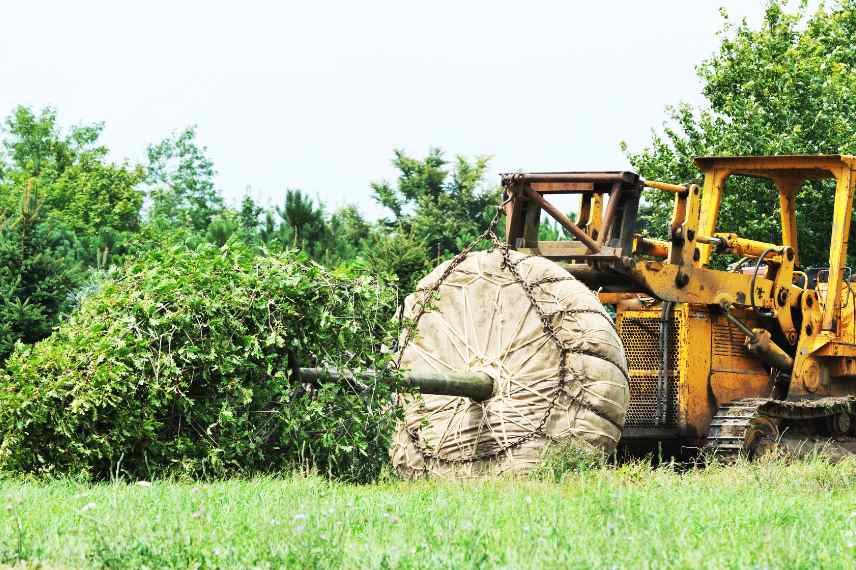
(546, 323)
(428, 292)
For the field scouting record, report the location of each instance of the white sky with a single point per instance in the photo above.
(315, 95)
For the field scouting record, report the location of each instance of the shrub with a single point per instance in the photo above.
(180, 366)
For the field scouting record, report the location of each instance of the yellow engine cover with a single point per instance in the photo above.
(708, 365)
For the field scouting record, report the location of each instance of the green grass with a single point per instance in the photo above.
(799, 515)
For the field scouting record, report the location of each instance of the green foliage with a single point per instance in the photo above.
(182, 180)
(785, 87)
(348, 232)
(632, 516)
(442, 208)
(63, 207)
(78, 190)
(269, 233)
(222, 227)
(181, 365)
(549, 230)
(304, 220)
(248, 216)
(92, 198)
(567, 458)
(35, 145)
(38, 272)
(401, 255)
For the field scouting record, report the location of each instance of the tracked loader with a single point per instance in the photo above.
(729, 360)
(720, 343)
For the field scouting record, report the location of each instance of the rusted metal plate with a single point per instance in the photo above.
(562, 187)
(568, 249)
(625, 177)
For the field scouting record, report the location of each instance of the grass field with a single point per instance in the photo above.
(776, 515)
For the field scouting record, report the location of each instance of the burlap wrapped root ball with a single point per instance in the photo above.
(480, 319)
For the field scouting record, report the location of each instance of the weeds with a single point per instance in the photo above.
(565, 457)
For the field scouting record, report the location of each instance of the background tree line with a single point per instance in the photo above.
(68, 214)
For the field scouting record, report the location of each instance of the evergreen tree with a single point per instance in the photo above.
(39, 270)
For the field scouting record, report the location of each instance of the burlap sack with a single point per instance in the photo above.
(482, 320)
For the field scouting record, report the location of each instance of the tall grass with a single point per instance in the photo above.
(764, 515)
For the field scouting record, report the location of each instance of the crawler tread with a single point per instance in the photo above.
(730, 429)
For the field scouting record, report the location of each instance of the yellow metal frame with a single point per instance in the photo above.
(788, 173)
(821, 340)
(714, 368)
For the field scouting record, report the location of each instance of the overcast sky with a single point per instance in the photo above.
(316, 95)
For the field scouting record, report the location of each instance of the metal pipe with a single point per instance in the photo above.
(611, 209)
(512, 179)
(714, 241)
(665, 186)
(739, 324)
(761, 345)
(653, 247)
(745, 246)
(562, 219)
(476, 385)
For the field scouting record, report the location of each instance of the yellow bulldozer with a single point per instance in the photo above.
(730, 359)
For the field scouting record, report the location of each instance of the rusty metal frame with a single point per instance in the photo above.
(595, 228)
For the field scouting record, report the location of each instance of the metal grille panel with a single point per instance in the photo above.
(640, 336)
(728, 340)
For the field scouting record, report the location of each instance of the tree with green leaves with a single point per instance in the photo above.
(248, 215)
(398, 254)
(347, 235)
(269, 232)
(445, 206)
(76, 185)
(787, 86)
(63, 208)
(223, 227)
(440, 205)
(184, 366)
(181, 176)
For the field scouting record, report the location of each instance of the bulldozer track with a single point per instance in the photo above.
(751, 426)
(730, 428)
